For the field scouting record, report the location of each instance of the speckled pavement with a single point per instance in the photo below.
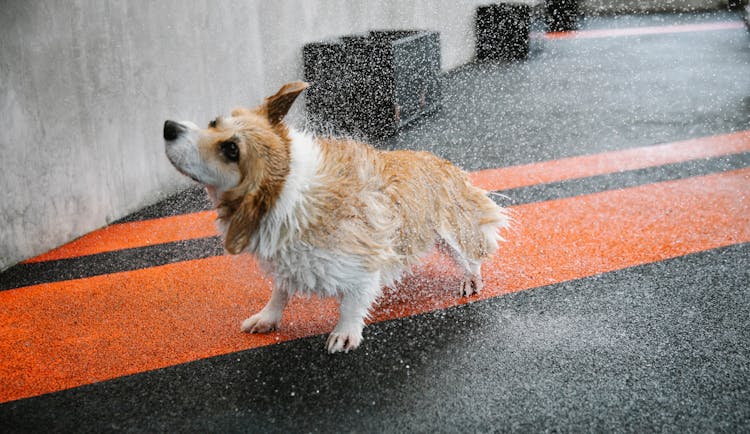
(621, 301)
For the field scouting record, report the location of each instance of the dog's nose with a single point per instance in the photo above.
(172, 130)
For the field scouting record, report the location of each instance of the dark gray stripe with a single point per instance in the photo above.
(109, 262)
(190, 200)
(631, 178)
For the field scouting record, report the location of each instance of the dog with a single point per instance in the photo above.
(331, 216)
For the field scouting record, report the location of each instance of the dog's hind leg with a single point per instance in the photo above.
(353, 310)
(269, 318)
(472, 280)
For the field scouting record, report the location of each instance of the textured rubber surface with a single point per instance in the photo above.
(647, 348)
(620, 302)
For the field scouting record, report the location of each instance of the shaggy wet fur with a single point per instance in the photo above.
(333, 217)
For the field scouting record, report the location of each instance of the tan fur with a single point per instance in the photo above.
(333, 216)
(388, 207)
(263, 166)
(424, 197)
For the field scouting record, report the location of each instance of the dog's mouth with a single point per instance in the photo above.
(189, 175)
(179, 168)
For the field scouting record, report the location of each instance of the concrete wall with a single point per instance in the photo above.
(85, 86)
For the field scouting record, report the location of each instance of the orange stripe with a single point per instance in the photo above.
(198, 225)
(610, 162)
(136, 234)
(61, 335)
(638, 31)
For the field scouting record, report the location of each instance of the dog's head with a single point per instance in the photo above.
(243, 159)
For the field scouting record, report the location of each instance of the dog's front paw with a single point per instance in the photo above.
(261, 322)
(344, 339)
(470, 285)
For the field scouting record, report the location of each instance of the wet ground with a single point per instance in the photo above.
(620, 302)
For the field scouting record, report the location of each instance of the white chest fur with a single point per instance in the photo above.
(289, 214)
(295, 265)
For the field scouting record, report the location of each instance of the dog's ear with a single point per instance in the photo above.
(240, 230)
(244, 218)
(279, 104)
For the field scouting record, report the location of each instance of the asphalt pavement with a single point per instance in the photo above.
(621, 301)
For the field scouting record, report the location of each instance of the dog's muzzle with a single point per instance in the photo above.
(173, 130)
(177, 155)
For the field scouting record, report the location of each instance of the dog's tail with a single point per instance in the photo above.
(494, 220)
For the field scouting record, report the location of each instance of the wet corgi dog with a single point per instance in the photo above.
(331, 217)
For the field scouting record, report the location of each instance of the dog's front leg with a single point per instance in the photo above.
(269, 318)
(354, 308)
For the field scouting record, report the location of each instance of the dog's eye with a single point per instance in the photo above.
(230, 150)
(212, 124)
